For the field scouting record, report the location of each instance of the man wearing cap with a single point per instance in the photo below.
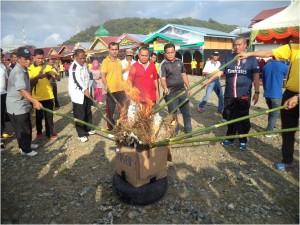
(211, 66)
(18, 102)
(237, 98)
(127, 63)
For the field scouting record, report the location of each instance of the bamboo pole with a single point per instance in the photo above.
(165, 143)
(102, 114)
(206, 129)
(194, 85)
(76, 120)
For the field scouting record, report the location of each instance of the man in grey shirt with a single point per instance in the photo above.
(18, 102)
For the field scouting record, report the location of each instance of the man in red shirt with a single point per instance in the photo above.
(143, 76)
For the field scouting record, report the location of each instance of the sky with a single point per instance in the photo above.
(49, 23)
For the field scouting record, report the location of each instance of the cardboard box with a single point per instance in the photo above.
(139, 168)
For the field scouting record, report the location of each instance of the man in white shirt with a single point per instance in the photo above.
(80, 95)
(211, 66)
(127, 63)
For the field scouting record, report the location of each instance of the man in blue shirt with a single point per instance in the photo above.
(273, 74)
(239, 77)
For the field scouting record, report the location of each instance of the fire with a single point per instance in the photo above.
(145, 105)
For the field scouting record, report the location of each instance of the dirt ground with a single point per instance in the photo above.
(71, 182)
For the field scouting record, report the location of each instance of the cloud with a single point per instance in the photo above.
(9, 42)
(52, 40)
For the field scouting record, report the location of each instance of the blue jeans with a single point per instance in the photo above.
(216, 87)
(184, 109)
(272, 117)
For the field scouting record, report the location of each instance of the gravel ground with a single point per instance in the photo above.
(71, 182)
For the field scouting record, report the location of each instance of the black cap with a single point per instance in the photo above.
(215, 54)
(23, 52)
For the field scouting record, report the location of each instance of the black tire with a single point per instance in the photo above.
(143, 195)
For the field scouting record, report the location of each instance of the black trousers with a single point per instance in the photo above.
(83, 112)
(120, 96)
(3, 112)
(236, 108)
(54, 88)
(40, 114)
(289, 119)
(23, 130)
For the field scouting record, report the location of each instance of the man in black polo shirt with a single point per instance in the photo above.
(174, 80)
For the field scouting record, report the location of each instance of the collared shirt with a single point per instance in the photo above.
(43, 89)
(290, 52)
(3, 78)
(172, 71)
(114, 77)
(239, 76)
(78, 82)
(210, 66)
(143, 79)
(17, 80)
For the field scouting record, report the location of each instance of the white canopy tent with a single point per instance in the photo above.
(282, 27)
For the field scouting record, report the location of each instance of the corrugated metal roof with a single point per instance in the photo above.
(139, 37)
(199, 30)
(267, 13)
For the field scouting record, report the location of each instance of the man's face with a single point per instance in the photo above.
(239, 46)
(50, 62)
(14, 59)
(25, 63)
(113, 51)
(170, 54)
(153, 58)
(215, 57)
(129, 57)
(38, 59)
(143, 56)
(80, 58)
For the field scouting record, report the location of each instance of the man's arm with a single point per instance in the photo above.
(212, 78)
(186, 82)
(156, 88)
(256, 88)
(36, 104)
(103, 76)
(261, 54)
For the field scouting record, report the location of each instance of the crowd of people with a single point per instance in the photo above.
(34, 85)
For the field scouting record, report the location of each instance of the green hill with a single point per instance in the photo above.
(117, 27)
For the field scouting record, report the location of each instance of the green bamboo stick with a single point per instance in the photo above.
(102, 114)
(194, 85)
(206, 129)
(76, 120)
(113, 97)
(165, 143)
(185, 100)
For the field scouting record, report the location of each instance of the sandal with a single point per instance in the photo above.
(283, 166)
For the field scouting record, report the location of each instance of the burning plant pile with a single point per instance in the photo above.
(137, 126)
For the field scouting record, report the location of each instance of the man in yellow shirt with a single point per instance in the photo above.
(112, 77)
(290, 115)
(194, 67)
(40, 76)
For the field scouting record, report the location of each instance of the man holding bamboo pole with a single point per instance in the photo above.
(290, 115)
(174, 81)
(80, 94)
(237, 97)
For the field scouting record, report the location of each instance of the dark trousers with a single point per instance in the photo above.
(111, 105)
(23, 130)
(289, 119)
(54, 88)
(40, 114)
(3, 112)
(236, 108)
(61, 74)
(83, 112)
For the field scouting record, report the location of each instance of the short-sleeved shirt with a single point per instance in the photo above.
(172, 71)
(17, 80)
(124, 66)
(114, 76)
(43, 89)
(211, 67)
(290, 52)
(273, 74)
(3, 78)
(239, 76)
(143, 79)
